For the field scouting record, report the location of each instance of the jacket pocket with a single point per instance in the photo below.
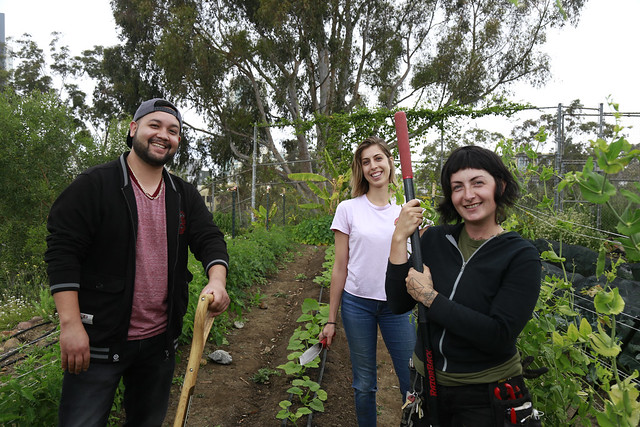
(102, 303)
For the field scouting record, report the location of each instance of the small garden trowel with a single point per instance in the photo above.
(312, 352)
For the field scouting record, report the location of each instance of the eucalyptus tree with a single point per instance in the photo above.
(31, 71)
(240, 62)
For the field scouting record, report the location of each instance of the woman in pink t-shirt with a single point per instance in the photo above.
(363, 227)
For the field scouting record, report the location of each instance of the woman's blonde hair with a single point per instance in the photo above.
(359, 185)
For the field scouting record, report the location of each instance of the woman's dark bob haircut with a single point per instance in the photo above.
(474, 157)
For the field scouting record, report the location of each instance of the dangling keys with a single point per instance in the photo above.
(418, 408)
(411, 399)
(407, 410)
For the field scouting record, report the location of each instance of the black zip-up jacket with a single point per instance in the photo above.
(92, 242)
(482, 304)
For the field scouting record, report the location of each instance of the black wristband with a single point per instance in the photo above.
(331, 323)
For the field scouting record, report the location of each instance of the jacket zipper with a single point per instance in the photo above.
(453, 292)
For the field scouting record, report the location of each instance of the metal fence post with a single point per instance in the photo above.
(213, 194)
(268, 188)
(600, 136)
(283, 209)
(557, 198)
(253, 170)
(233, 211)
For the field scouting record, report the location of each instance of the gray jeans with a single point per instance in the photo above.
(146, 368)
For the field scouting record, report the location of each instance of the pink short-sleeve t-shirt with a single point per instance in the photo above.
(369, 228)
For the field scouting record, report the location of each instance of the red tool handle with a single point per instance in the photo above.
(402, 133)
(429, 383)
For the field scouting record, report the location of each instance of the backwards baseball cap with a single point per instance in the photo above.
(150, 106)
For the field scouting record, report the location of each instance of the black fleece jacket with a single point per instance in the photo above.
(482, 304)
(91, 249)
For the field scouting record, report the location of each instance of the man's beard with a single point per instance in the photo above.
(142, 151)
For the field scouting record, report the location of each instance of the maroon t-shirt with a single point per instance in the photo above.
(149, 313)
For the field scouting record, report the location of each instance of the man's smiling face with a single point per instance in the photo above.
(156, 137)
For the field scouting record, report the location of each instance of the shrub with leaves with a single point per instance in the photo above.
(315, 231)
(251, 258)
(584, 381)
(30, 395)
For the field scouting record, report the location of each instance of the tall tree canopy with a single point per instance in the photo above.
(241, 62)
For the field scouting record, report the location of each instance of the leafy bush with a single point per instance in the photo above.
(224, 221)
(251, 258)
(315, 231)
(42, 149)
(584, 381)
(31, 394)
(571, 226)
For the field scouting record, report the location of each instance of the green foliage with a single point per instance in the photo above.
(15, 309)
(31, 394)
(42, 148)
(26, 280)
(224, 221)
(582, 357)
(251, 258)
(324, 278)
(116, 415)
(572, 226)
(45, 304)
(256, 299)
(40, 152)
(338, 184)
(596, 187)
(242, 75)
(261, 216)
(263, 375)
(315, 231)
(309, 395)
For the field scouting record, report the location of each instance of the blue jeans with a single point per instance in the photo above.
(146, 367)
(361, 318)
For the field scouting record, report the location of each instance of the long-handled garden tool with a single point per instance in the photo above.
(202, 323)
(402, 133)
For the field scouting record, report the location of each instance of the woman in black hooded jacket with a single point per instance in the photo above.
(480, 285)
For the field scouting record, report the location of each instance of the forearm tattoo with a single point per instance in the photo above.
(423, 294)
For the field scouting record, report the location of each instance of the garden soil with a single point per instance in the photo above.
(225, 395)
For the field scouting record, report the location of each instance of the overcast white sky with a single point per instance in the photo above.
(597, 59)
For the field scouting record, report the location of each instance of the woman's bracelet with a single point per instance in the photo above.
(331, 323)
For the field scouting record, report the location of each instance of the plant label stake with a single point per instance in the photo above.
(201, 326)
(402, 134)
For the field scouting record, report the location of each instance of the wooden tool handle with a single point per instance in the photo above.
(202, 323)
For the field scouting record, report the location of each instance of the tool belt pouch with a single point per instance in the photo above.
(511, 404)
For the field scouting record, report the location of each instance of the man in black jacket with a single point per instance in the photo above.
(117, 264)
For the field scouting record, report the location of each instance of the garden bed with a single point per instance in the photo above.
(226, 395)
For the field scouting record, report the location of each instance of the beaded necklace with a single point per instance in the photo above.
(153, 196)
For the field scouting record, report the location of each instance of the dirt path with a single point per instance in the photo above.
(226, 396)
